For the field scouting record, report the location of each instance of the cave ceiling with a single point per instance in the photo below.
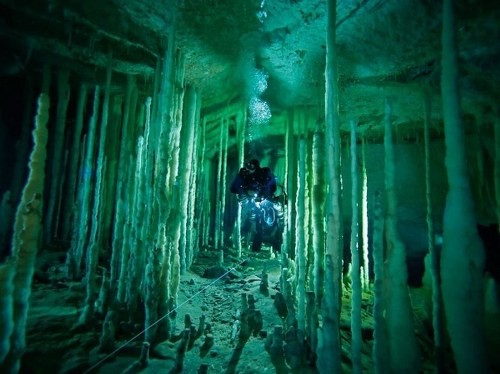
(386, 49)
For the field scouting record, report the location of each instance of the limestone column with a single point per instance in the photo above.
(462, 257)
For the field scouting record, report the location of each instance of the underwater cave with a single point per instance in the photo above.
(125, 248)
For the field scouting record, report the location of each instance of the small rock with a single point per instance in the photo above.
(234, 274)
(214, 272)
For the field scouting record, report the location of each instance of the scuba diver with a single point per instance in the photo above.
(255, 187)
(254, 181)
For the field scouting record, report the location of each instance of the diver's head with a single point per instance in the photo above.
(252, 165)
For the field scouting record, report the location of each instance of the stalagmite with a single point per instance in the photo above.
(329, 344)
(107, 340)
(355, 273)
(312, 321)
(437, 299)
(144, 357)
(26, 238)
(152, 292)
(63, 93)
(141, 363)
(166, 301)
(181, 352)
(462, 256)
(403, 348)
(80, 225)
(300, 247)
(380, 343)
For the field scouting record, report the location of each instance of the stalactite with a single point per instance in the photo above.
(193, 220)
(131, 191)
(186, 159)
(26, 239)
(224, 191)
(241, 122)
(173, 193)
(166, 194)
(404, 354)
(219, 193)
(380, 344)
(46, 79)
(300, 246)
(59, 195)
(63, 93)
(462, 256)
(126, 255)
(364, 220)
(355, 261)
(137, 252)
(329, 347)
(80, 225)
(23, 146)
(291, 164)
(318, 227)
(123, 176)
(97, 212)
(113, 142)
(174, 138)
(309, 271)
(203, 190)
(287, 222)
(165, 118)
(158, 104)
(437, 322)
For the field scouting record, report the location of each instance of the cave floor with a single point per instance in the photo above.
(54, 347)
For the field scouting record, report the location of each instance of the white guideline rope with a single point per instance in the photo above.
(98, 363)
